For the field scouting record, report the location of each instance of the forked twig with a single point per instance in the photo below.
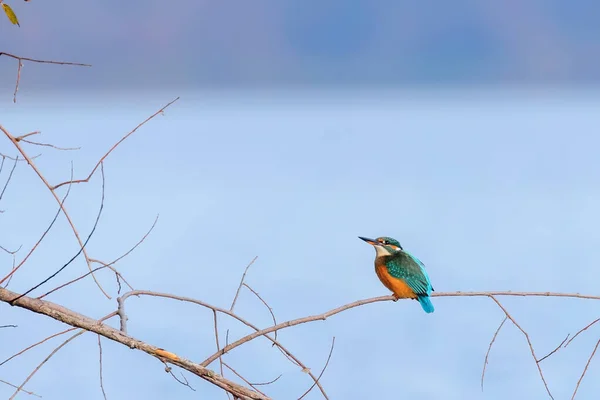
(242, 378)
(115, 146)
(237, 293)
(79, 251)
(322, 371)
(555, 349)
(106, 265)
(20, 61)
(585, 328)
(55, 195)
(81, 332)
(22, 390)
(515, 323)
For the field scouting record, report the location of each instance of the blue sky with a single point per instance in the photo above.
(493, 190)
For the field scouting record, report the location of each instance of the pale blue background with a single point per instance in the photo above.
(492, 189)
(467, 130)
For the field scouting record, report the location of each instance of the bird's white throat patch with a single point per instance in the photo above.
(382, 251)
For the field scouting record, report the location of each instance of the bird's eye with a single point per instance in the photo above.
(386, 242)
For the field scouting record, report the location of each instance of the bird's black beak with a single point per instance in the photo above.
(370, 241)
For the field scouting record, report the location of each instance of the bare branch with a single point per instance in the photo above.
(20, 61)
(55, 195)
(268, 382)
(72, 318)
(208, 361)
(322, 371)
(585, 328)
(60, 208)
(100, 367)
(22, 390)
(216, 325)
(63, 344)
(242, 378)
(183, 379)
(489, 349)
(43, 61)
(50, 145)
(82, 247)
(114, 147)
(537, 364)
(266, 305)
(9, 176)
(555, 350)
(585, 370)
(105, 265)
(237, 293)
(10, 251)
(36, 344)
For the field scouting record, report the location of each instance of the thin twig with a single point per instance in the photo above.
(242, 378)
(489, 349)
(585, 370)
(7, 326)
(555, 350)
(80, 250)
(55, 195)
(183, 379)
(216, 325)
(237, 293)
(22, 390)
(36, 344)
(268, 382)
(81, 332)
(60, 208)
(20, 61)
(265, 303)
(585, 328)
(50, 145)
(100, 367)
(106, 265)
(43, 61)
(10, 251)
(19, 159)
(322, 371)
(19, 138)
(9, 176)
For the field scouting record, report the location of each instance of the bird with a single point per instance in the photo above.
(401, 272)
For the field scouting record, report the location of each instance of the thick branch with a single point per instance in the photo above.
(72, 318)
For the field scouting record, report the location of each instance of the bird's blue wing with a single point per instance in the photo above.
(404, 266)
(422, 268)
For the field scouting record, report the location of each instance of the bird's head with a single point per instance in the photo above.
(384, 246)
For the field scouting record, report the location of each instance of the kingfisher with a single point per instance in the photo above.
(401, 272)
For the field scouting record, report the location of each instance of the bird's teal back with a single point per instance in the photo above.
(405, 266)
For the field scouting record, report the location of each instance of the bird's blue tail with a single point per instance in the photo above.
(425, 302)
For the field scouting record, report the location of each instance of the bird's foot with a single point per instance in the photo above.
(396, 298)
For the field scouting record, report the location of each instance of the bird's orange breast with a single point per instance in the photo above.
(400, 289)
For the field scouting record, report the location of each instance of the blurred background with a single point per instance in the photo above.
(467, 130)
(280, 43)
